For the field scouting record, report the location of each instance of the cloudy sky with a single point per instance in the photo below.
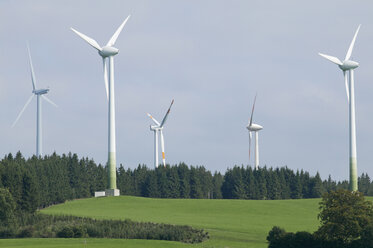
(212, 57)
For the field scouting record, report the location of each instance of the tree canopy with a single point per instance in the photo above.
(346, 220)
(344, 215)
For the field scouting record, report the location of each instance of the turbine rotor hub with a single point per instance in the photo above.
(349, 65)
(155, 128)
(108, 51)
(40, 91)
(254, 127)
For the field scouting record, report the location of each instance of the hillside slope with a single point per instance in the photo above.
(231, 223)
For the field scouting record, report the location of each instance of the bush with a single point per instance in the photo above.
(275, 233)
(366, 239)
(92, 231)
(7, 208)
(26, 232)
(66, 232)
(79, 231)
(305, 240)
(47, 226)
(7, 232)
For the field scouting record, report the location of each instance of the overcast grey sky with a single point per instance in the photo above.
(211, 57)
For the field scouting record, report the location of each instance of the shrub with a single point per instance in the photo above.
(7, 208)
(79, 231)
(7, 232)
(92, 231)
(26, 232)
(66, 232)
(275, 233)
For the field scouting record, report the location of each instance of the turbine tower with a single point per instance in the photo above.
(158, 127)
(254, 128)
(38, 93)
(108, 52)
(348, 66)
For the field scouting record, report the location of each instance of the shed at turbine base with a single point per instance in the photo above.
(112, 192)
(100, 193)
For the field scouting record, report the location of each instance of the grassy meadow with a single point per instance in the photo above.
(230, 223)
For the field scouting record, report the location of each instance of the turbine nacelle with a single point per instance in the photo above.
(254, 127)
(348, 65)
(40, 91)
(108, 51)
(155, 128)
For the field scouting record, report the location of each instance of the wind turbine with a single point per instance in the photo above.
(348, 66)
(158, 127)
(109, 51)
(252, 127)
(38, 93)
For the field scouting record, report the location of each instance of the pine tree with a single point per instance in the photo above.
(206, 181)
(195, 184)
(316, 186)
(30, 198)
(250, 185)
(151, 185)
(364, 183)
(173, 182)
(228, 185)
(273, 185)
(296, 187)
(217, 182)
(184, 180)
(239, 188)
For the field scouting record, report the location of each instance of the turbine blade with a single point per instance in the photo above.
(349, 52)
(105, 78)
(162, 147)
(346, 84)
(49, 100)
(89, 40)
(155, 121)
(23, 109)
(114, 38)
(335, 60)
(252, 113)
(166, 115)
(31, 68)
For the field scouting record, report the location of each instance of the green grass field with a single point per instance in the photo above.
(231, 223)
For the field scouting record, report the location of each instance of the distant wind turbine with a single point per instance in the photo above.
(254, 128)
(38, 93)
(348, 66)
(108, 51)
(158, 127)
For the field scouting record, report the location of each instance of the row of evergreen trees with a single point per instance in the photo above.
(36, 183)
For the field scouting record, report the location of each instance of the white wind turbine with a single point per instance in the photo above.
(38, 93)
(348, 66)
(254, 128)
(158, 127)
(108, 51)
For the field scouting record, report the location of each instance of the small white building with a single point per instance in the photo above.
(100, 193)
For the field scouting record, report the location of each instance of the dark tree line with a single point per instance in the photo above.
(36, 183)
(278, 183)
